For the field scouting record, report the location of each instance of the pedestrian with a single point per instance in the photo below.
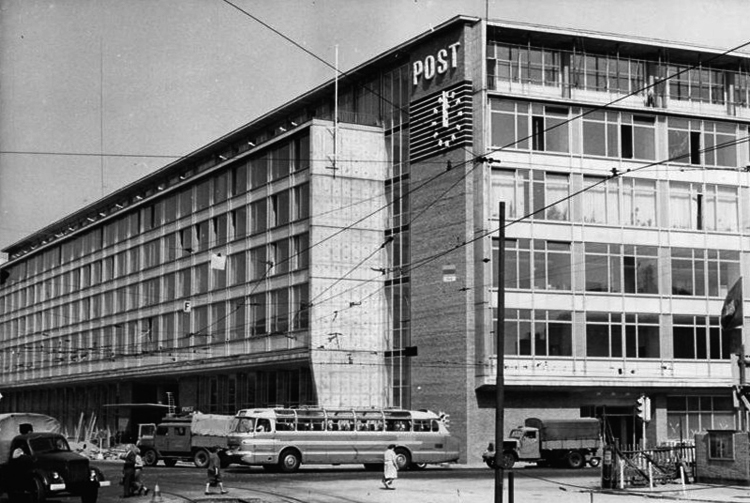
(139, 487)
(214, 471)
(390, 467)
(128, 470)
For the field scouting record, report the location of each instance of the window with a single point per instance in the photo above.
(522, 64)
(301, 202)
(258, 217)
(694, 206)
(608, 337)
(638, 137)
(601, 133)
(641, 335)
(239, 223)
(239, 179)
(603, 266)
(696, 84)
(550, 193)
(600, 200)
(688, 415)
(279, 311)
(237, 266)
(280, 206)
(721, 445)
(614, 73)
(512, 187)
(698, 338)
(237, 322)
(549, 128)
(552, 333)
(280, 256)
(552, 265)
(300, 252)
(698, 272)
(604, 335)
(702, 142)
(300, 307)
(640, 269)
(517, 263)
(639, 202)
(512, 124)
(259, 171)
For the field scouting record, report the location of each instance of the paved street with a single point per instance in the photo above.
(454, 484)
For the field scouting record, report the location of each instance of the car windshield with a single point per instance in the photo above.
(48, 444)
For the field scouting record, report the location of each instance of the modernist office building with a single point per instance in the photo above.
(343, 248)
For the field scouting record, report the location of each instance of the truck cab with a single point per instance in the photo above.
(527, 442)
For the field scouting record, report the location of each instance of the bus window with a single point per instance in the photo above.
(245, 425)
(285, 425)
(262, 425)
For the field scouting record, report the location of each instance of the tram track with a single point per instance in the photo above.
(312, 497)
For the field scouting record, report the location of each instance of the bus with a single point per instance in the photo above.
(281, 439)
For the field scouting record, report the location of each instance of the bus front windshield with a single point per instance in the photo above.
(245, 425)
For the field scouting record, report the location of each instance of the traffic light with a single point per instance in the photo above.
(643, 408)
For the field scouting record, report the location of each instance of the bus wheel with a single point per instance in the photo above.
(403, 458)
(289, 461)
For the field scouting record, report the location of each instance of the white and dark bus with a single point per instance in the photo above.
(283, 439)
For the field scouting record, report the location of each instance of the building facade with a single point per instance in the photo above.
(343, 249)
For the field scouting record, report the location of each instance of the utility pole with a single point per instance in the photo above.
(500, 350)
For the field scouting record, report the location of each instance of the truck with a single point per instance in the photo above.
(567, 442)
(185, 438)
(36, 461)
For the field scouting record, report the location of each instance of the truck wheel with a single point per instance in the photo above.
(170, 462)
(575, 459)
(200, 458)
(150, 458)
(289, 461)
(507, 460)
(403, 458)
(595, 461)
(90, 495)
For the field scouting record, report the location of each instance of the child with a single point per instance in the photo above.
(214, 472)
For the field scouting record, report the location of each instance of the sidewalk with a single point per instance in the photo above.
(426, 491)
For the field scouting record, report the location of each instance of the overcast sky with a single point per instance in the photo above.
(142, 80)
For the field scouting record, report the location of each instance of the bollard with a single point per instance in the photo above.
(511, 496)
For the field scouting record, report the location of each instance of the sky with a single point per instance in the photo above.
(95, 94)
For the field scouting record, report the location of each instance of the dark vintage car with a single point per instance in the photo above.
(41, 465)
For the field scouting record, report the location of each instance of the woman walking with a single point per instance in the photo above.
(390, 467)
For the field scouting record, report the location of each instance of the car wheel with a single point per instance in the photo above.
(289, 461)
(200, 458)
(490, 462)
